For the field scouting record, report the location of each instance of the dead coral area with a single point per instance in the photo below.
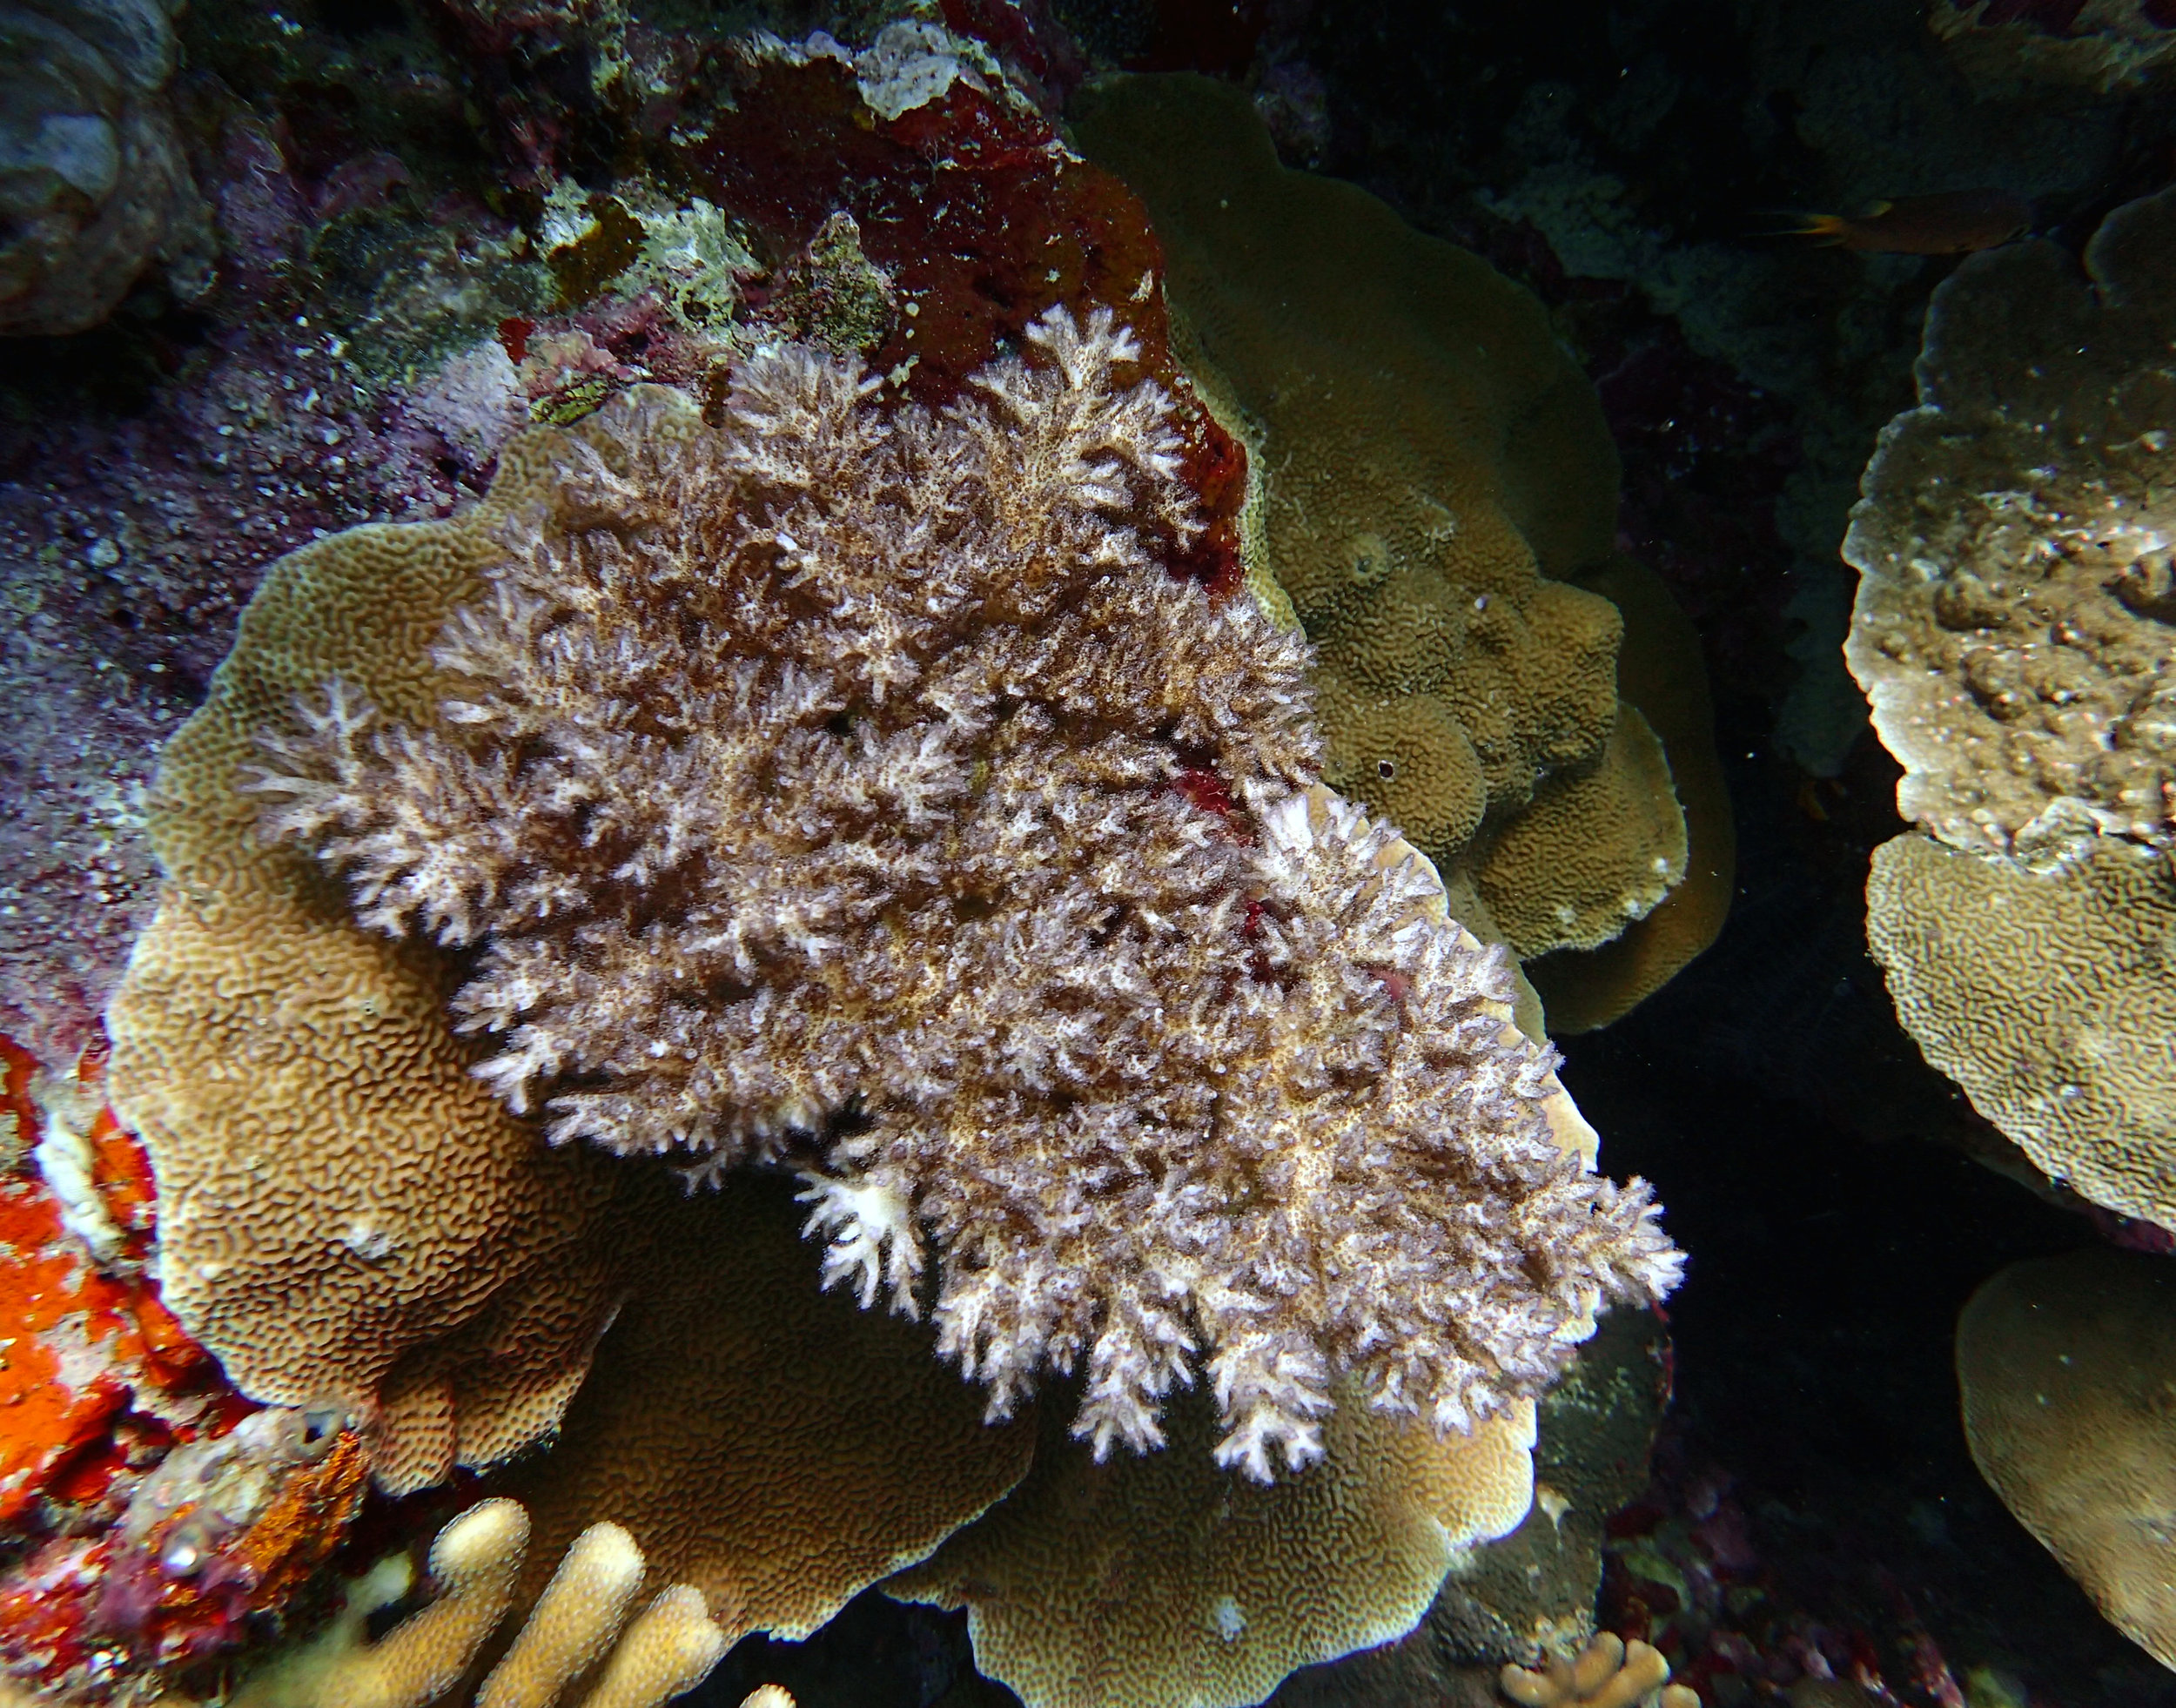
(923, 809)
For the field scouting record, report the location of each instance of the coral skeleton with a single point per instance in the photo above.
(852, 789)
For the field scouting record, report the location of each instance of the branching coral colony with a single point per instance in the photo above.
(852, 789)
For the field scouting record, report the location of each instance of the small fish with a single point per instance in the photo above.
(1954, 222)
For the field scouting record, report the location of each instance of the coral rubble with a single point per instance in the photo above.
(2012, 631)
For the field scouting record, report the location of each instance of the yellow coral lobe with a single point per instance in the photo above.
(573, 1621)
(2066, 1365)
(1432, 480)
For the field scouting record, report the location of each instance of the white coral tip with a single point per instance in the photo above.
(872, 1240)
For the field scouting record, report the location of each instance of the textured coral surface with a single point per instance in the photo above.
(1156, 1580)
(2015, 620)
(1431, 470)
(2049, 997)
(2013, 630)
(858, 784)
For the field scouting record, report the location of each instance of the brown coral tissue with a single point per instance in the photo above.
(851, 789)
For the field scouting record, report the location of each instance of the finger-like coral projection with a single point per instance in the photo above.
(2016, 632)
(1608, 1673)
(2066, 1365)
(854, 788)
(1431, 477)
(475, 1564)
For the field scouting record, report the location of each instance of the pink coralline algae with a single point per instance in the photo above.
(828, 791)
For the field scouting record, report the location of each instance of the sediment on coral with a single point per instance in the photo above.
(855, 789)
(2012, 630)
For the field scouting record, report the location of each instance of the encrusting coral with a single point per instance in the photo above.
(2066, 1365)
(2013, 631)
(853, 788)
(475, 1562)
(770, 1444)
(1608, 1673)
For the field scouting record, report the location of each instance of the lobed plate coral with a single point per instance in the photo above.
(2015, 629)
(1430, 476)
(2065, 1364)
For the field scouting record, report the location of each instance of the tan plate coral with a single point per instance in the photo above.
(2016, 631)
(1432, 475)
(2066, 1365)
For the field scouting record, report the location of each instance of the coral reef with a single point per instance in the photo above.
(902, 826)
(2012, 631)
(1608, 1673)
(2100, 44)
(2065, 1364)
(1423, 514)
(94, 182)
(474, 1564)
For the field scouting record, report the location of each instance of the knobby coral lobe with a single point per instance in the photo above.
(825, 791)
